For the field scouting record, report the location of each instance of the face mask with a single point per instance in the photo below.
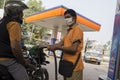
(69, 21)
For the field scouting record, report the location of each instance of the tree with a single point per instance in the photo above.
(35, 32)
(107, 45)
(1, 3)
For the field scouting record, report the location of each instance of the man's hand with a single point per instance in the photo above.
(54, 47)
(51, 47)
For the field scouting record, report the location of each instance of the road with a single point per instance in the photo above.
(91, 70)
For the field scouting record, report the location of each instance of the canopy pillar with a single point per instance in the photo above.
(63, 31)
(54, 34)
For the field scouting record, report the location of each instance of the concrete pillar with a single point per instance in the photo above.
(55, 30)
(64, 30)
(54, 35)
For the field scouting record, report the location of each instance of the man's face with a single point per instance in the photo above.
(69, 19)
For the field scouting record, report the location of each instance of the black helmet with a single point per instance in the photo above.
(14, 7)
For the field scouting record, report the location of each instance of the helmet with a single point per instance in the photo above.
(14, 7)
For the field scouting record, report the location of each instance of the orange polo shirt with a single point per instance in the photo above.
(14, 29)
(75, 33)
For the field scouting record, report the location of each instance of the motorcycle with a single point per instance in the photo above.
(40, 73)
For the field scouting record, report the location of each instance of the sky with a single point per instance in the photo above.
(100, 11)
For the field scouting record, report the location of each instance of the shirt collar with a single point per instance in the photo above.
(72, 27)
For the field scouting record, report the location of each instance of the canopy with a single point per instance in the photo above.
(55, 17)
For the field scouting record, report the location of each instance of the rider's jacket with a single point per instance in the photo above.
(5, 48)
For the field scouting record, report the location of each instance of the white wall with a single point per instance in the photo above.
(1, 13)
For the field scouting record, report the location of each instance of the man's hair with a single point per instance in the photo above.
(71, 12)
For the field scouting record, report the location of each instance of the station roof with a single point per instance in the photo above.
(55, 17)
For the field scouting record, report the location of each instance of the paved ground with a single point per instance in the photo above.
(91, 71)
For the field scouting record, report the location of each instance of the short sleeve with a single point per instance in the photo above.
(14, 30)
(77, 34)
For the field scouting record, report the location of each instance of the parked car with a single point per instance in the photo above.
(93, 57)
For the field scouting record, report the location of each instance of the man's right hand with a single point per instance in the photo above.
(51, 47)
(54, 47)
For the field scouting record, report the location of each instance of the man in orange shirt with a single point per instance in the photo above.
(10, 37)
(71, 44)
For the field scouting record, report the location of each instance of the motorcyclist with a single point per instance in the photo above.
(10, 37)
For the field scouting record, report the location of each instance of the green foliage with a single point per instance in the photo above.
(1, 3)
(34, 6)
(107, 46)
(35, 33)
